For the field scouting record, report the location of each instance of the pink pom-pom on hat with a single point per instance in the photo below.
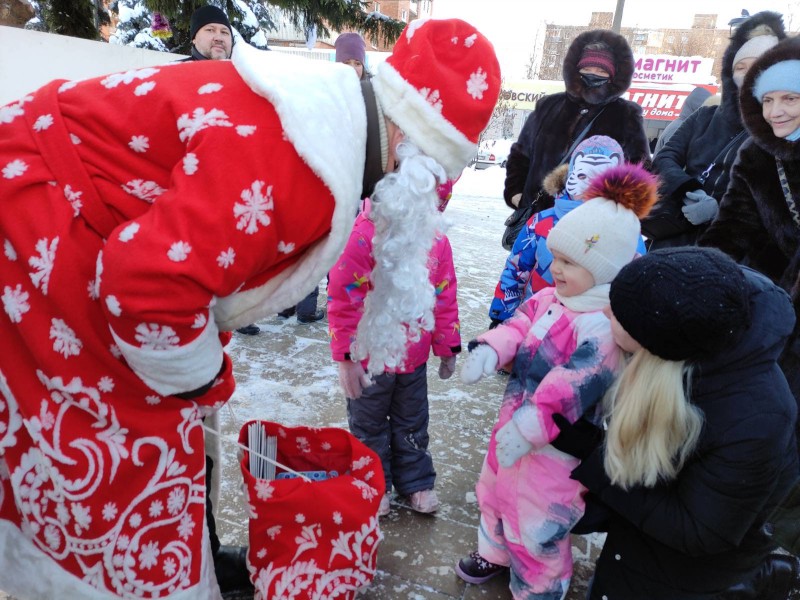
(440, 86)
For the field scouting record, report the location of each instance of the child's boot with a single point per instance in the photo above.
(476, 569)
(424, 501)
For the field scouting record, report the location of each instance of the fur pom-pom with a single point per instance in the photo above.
(629, 185)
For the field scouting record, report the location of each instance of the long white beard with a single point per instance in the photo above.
(400, 305)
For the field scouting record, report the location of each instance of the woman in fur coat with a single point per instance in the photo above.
(694, 166)
(559, 118)
(758, 222)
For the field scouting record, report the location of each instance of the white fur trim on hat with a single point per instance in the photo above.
(421, 121)
(600, 235)
(754, 47)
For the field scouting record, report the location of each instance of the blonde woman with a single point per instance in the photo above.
(700, 444)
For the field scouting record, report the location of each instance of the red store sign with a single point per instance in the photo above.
(663, 103)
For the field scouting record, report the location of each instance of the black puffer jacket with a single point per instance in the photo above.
(754, 225)
(559, 118)
(711, 136)
(703, 532)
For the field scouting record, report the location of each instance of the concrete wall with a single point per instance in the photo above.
(29, 59)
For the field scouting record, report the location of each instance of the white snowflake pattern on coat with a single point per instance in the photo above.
(43, 122)
(43, 264)
(143, 88)
(9, 251)
(152, 336)
(14, 169)
(209, 88)
(11, 111)
(470, 40)
(253, 212)
(199, 120)
(144, 190)
(127, 77)
(64, 339)
(179, 251)
(226, 258)
(285, 247)
(190, 163)
(139, 143)
(126, 235)
(15, 302)
(245, 130)
(74, 198)
(476, 84)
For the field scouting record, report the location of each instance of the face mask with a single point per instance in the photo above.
(592, 81)
(738, 79)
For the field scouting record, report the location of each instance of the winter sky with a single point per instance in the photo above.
(511, 24)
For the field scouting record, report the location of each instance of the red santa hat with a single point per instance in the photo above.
(440, 86)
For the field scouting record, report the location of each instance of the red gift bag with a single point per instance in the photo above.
(316, 537)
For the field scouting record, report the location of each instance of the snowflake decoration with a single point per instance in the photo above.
(156, 508)
(454, 40)
(11, 112)
(114, 350)
(152, 400)
(14, 169)
(337, 517)
(432, 98)
(179, 251)
(109, 511)
(82, 517)
(253, 212)
(127, 233)
(264, 489)
(74, 138)
(200, 321)
(176, 501)
(300, 518)
(245, 130)
(144, 190)
(274, 531)
(144, 88)
(135, 520)
(476, 84)
(226, 258)
(170, 567)
(285, 247)
(52, 537)
(15, 302)
(139, 143)
(199, 120)
(470, 40)
(261, 553)
(326, 446)
(127, 77)
(154, 337)
(74, 198)
(148, 557)
(9, 251)
(361, 463)
(106, 384)
(43, 122)
(190, 163)
(65, 341)
(113, 306)
(367, 491)
(209, 88)
(67, 85)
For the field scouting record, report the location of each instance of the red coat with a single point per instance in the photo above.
(142, 214)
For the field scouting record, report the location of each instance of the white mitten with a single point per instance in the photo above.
(511, 446)
(480, 361)
(353, 379)
(447, 367)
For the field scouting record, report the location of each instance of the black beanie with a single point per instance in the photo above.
(205, 15)
(682, 303)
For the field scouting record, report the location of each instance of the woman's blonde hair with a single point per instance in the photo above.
(653, 428)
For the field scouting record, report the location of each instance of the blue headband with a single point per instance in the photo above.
(783, 76)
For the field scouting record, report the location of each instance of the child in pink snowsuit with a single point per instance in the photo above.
(390, 413)
(564, 359)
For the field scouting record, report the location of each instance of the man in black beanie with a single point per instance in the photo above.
(211, 35)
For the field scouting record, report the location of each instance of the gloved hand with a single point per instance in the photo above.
(447, 367)
(511, 445)
(699, 207)
(353, 379)
(482, 360)
(494, 323)
(578, 439)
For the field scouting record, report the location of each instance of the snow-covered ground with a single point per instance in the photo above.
(286, 374)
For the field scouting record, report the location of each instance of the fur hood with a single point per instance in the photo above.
(623, 59)
(555, 180)
(730, 93)
(760, 130)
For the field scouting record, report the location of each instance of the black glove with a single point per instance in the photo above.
(494, 323)
(578, 439)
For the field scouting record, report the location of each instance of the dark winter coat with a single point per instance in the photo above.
(703, 532)
(559, 118)
(702, 142)
(754, 225)
(693, 101)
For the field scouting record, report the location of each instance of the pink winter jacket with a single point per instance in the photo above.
(350, 282)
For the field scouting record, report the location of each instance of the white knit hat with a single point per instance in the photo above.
(602, 234)
(440, 86)
(754, 47)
